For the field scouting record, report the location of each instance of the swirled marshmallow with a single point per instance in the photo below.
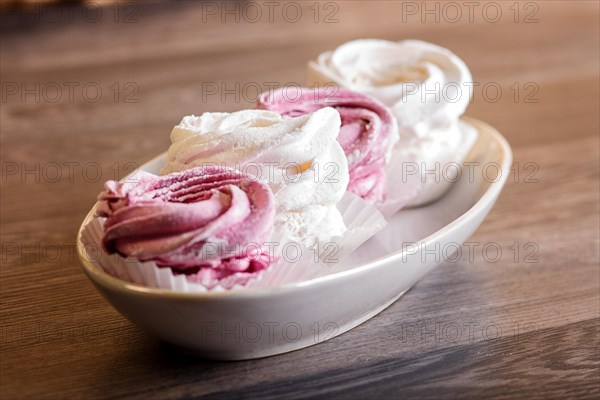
(367, 135)
(426, 86)
(208, 223)
(299, 158)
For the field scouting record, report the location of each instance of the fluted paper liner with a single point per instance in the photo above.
(362, 220)
(404, 187)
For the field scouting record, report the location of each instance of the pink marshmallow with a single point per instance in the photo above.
(209, 223)
(367, 133)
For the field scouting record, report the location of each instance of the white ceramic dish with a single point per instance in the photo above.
(254, 323)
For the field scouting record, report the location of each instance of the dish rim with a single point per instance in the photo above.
(102, 278)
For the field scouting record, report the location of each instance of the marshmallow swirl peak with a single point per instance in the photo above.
(424, 84)
(367, 135)
(208, 222)
(299, 158)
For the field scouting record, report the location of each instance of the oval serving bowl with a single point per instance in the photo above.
(253, 323)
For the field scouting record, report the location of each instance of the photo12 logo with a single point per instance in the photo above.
(470, 11)
(270, 11)
(49, 12)
(65, 171)
(69, 92)
(249, 92)
(456, 331)
(470, 171)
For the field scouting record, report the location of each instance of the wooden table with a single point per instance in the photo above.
(86, 96)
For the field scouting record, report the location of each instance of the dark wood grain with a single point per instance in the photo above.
(529, 323)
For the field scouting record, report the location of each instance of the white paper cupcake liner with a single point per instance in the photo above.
(421, 173)
(402, 187)
(362, 220)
